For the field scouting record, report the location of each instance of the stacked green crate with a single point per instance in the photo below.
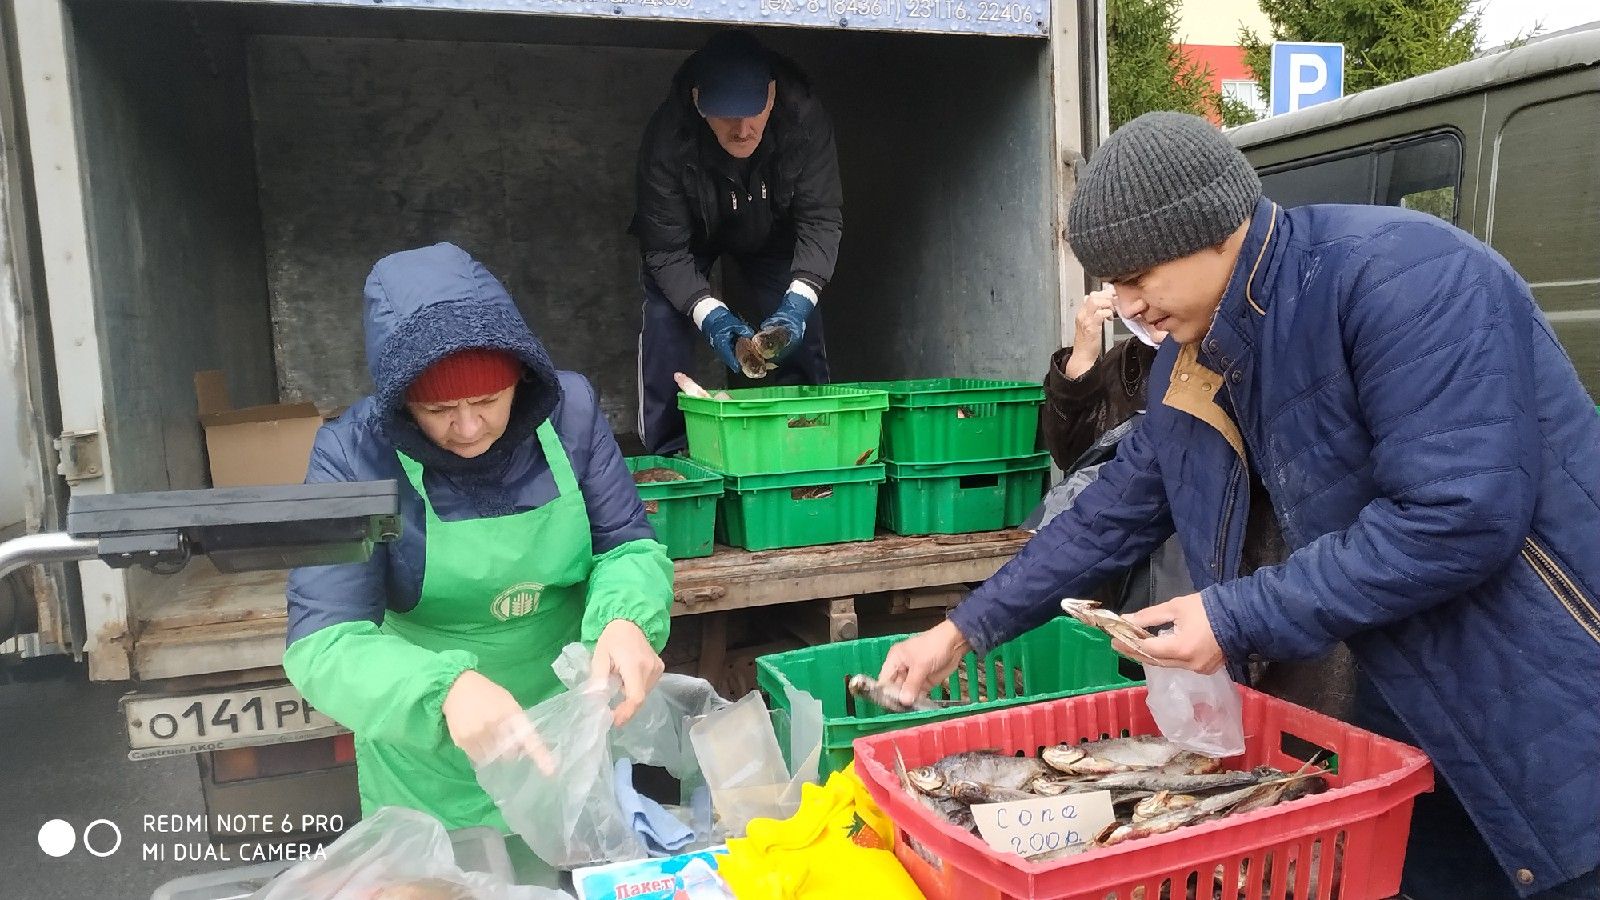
(800, 463)
(683, 512)
(960, 454)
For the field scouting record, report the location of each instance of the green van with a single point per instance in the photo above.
(1506, 146)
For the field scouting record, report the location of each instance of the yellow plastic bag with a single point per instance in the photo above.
(838, 845)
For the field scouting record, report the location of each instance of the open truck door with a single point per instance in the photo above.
(38, 612)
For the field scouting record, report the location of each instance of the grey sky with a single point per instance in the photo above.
(1505, 19)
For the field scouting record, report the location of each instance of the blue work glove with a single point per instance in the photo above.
(792, 314)
(722, 328)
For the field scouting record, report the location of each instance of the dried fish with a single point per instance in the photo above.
(1153, 781)
(657, 474)
(1129, 754)
(752, 361)
(1161, 803)
(987, 767)
(1215, 806)
(692, 388)
(886, 696)
(953, 811)
(1090, 613)
(973, 792)
(770, 342)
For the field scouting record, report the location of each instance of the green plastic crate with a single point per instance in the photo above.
(765, 431)
(955, 419)
(1059, 659)
(683, 513)
(962, 497)
(766, 512)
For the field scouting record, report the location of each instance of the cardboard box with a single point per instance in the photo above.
(257, 444)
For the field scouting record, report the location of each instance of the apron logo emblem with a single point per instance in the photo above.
(517, 601)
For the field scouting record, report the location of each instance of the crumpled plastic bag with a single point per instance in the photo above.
(394, 854)
(1200, 713)
(571, 818)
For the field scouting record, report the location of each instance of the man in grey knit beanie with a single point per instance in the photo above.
(1160, 213)
(1380, 390)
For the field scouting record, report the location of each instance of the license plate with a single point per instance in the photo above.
(175, 725)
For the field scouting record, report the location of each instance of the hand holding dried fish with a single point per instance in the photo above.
(752, 361)
(1090, 613)
(886, 696)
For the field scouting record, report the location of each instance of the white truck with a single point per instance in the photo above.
(196, 186)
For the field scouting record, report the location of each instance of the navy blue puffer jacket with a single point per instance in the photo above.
(1434, 464)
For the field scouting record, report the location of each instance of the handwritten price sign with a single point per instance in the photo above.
(1032, 827)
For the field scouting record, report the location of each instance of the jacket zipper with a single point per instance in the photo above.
(1227, 520)
(1578, 605)
(1240, 465)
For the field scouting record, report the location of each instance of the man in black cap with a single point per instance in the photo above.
(738, 161)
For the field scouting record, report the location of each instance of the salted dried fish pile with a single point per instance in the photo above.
(1155, 786)
(657, 474)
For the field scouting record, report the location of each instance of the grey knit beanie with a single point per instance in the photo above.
(1162, 187)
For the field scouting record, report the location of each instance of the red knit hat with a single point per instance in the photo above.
(466, 373)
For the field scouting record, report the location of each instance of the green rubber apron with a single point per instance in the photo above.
(509, 589)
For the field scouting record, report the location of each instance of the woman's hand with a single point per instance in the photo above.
(1089, 337)
(623, 650)
(486, 722)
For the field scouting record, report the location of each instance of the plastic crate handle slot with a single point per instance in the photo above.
(975, 482)
(811, 493)
(803, 421)
(1299, 748)
(976, 410)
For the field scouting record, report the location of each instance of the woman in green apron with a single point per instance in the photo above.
(523, 532)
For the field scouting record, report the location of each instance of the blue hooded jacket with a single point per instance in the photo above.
(421, 306)
(1434, 464)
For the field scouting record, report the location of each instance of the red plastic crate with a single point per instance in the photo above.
(1367, 807)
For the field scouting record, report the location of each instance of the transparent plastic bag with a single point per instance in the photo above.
(739, 756)
(394, 854)
(571, 817)
(1201, 713)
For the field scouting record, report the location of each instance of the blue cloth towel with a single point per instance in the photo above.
(663, 834)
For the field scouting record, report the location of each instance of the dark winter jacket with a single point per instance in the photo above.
(1078, 410)
(696, 200)
(1434, 465)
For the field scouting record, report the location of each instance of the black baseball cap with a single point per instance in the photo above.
(732, 72)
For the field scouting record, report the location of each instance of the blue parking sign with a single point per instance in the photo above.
(1305, 74)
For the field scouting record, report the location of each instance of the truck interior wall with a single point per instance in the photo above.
(524, 154)
(175, 231)
(236, 215)
(947, 266)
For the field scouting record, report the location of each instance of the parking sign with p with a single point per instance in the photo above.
(1305, 74)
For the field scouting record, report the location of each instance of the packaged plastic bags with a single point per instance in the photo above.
(394, 854)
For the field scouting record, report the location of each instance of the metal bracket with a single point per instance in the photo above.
(79, 456)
